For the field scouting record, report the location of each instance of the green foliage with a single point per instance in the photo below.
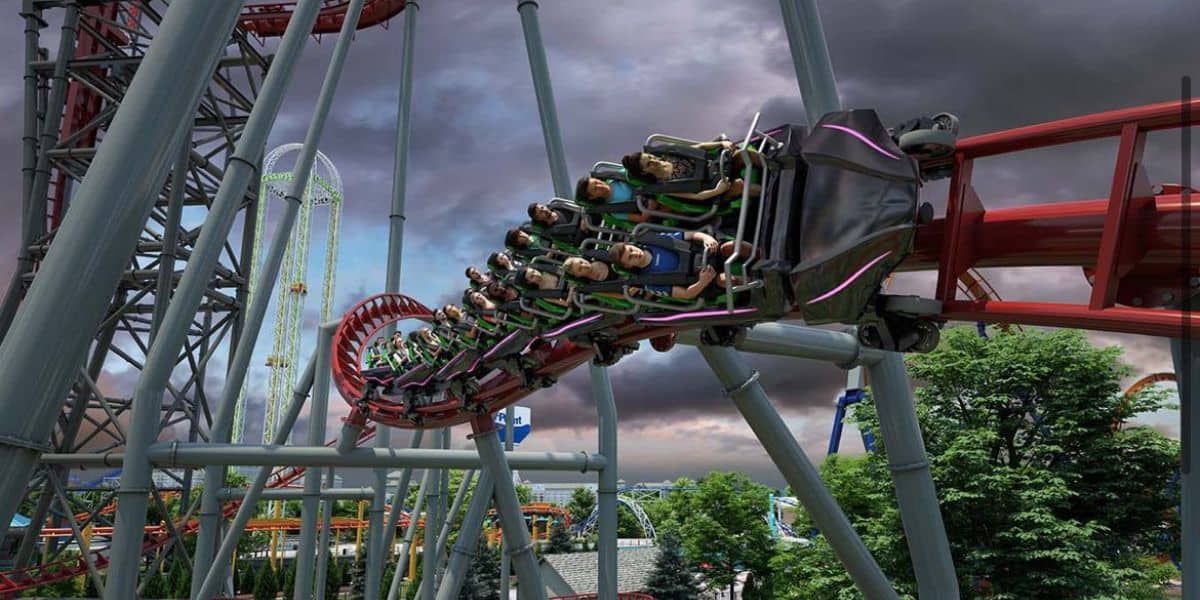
(560, 540)
(627, 523)
(721, 526)
(245, 577)
(289, 579)
(266, 585)
(179, 580)
(1041, 494)
(89, 588)
(673, 577)
(157, 586)
(483, 576)
(581, 505)
(358, 576)
(333, 577)
(524, 493)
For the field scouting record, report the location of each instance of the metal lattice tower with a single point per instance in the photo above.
(324, 189)
(72, 94)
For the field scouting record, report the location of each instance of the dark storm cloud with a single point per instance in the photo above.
(675, 388)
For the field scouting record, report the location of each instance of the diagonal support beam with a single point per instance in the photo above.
(919, 508)
(520, 548)
(748, 396)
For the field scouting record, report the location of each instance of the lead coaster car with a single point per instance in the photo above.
(857, 217)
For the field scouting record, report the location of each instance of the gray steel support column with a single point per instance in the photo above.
(329, 493)
(166, 256)
(1187, 373)
(810, 57)
(455, 507)
(547, 110)
(175, 455)
(401, 494)
(801, 342)
(556, 155)
(468, 539)
(172, 333)
(508, 506)
(323, 544)
(317, 413)
(915, 493)
(444, 510)
(748, 396)
(410, 532)
(32, 532)
(429, 537)
(29, 144)
(214, 576)
(376, 550)
(378, 543)
(606, 491)
(444, 533)
(510, 414)
(398, 499)
(214, 477)
(130, 164)
(34, 204)
(29, 132)
(400, 158)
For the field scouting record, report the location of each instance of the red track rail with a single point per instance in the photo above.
(270, 20)
(356, 329)
(1133, 242)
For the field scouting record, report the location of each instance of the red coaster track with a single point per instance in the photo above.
(271, 19)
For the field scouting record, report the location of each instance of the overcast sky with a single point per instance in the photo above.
(696, 68)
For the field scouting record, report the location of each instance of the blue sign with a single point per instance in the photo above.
(521, 424)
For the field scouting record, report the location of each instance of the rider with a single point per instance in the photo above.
(656, 254)
(478, 278)
(376, 353)
(502, 263)
(558, 224)
(396, 355)
(547, 282)
(582, 268)
(613, 196)
(524, 244)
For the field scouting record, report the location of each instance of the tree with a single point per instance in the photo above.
(266, 586)
(89, 587)
(581, 505)
(358, 577)
(627, 524)
(560, 541)
(722, 527)
(156, 586)
(289, 579)
(672, 578)
(483, 576)
(245, 578)
(524, 493)
(1042, 494)
(333, 577)
(179, 580)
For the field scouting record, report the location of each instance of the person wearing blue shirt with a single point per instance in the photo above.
(652, 259)
(593, 191)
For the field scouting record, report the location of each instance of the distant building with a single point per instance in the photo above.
(560, 493)
(557, 493)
